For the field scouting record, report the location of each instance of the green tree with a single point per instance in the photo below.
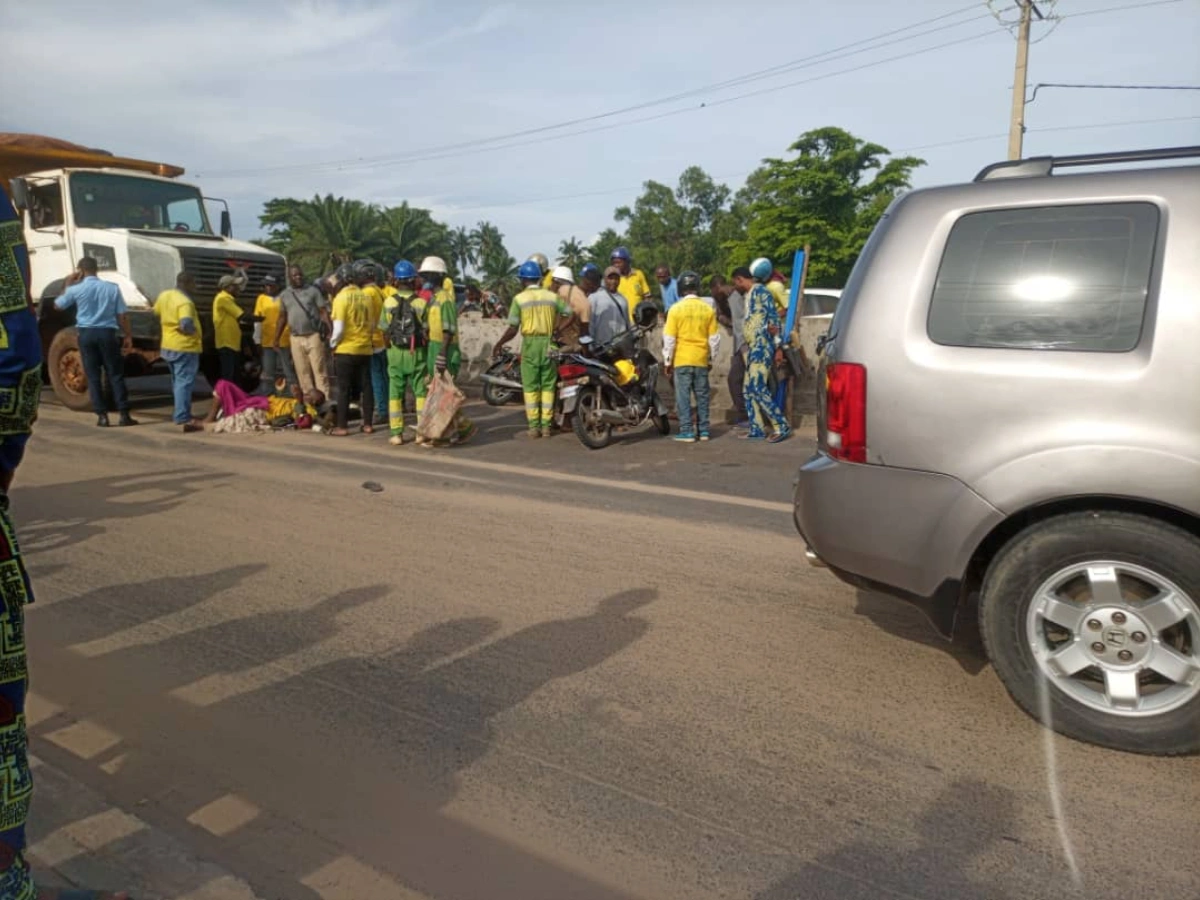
(572, 253)
(599, 253)
(825, 197)
(682, 227)
(496, 264)
(322, 233)
(412, 233)
(464, 248)
(488, 240)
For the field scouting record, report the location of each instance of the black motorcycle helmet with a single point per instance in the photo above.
(364, 269)
(645, 314)
(689, 283)
(344, 274)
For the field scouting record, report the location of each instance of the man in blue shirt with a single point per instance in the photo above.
(100, 320)
(670, 290)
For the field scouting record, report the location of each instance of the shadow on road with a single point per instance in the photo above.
(966, 819)
(51, 516)
(358, 757)
(905, 621)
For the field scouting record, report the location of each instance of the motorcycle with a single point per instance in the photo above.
(502, 380)
(608, 386)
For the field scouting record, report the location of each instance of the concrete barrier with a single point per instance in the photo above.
(478, 337)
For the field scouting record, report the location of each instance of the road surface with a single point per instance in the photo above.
(527, 671)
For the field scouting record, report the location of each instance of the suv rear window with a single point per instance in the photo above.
(1046, 278)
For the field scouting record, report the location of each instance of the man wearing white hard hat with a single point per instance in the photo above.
(575, 327)
(441, 321)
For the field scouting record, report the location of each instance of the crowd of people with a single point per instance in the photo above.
(366, 339)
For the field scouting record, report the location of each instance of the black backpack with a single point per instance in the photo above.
(405, 328)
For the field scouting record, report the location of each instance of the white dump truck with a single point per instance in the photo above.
(142, 226)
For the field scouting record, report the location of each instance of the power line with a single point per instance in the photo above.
(736, 175)
(774, 71)
(1112, 87)
(469, 151)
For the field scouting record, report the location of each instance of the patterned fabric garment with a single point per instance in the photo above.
(20, 389)
(761, 314)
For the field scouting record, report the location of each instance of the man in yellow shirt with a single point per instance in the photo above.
(181, 345)
(536, 312)
(634, 286)
(227, 331)
(369, 275)
(354, 320)
(690, 341)
(544, 264)
(276, 355)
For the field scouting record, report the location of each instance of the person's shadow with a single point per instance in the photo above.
(965, 820)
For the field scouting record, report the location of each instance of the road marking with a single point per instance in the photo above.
(85, 836)
(224, 815)
(38, 709)
(224, 888)
(348, 879)
(85, 739)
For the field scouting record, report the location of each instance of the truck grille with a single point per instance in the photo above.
(208, 267)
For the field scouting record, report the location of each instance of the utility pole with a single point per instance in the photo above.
(1016, 127)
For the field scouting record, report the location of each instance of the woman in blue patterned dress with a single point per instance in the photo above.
(762, 334)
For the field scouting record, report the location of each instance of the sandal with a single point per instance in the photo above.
(367, 429)
(747, 436)
(779, 437)
(338, 432)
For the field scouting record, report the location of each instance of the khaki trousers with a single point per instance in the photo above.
(312, 363)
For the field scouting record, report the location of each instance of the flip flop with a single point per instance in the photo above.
(779, 437)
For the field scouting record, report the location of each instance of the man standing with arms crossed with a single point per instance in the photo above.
(100, 321)
(535, 311)
(274, 358)
(303, 310)
(633, 287)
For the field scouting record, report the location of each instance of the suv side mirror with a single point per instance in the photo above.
(226, 224)
(18, 189)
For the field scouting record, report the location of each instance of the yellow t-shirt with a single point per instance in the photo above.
(375, 295)
(388, 291)
(226, 330)
(268, 307)
(170, 307)
(634, 288)
(691, 322)
(780, 292)
(536, 311)
(433, 315)
(354, 309)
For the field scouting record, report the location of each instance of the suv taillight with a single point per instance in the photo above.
(846, 411)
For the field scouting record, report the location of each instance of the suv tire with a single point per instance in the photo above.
(1100, 568)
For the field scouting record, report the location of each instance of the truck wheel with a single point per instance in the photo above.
(1092, 621)
(65, 367)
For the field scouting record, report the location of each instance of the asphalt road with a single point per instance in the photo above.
(527, 671)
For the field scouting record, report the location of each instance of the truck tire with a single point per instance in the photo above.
(1092, 621)
(65, 368)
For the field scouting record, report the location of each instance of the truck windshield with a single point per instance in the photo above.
(103, 200)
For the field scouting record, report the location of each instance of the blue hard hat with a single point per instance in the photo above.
(589, 269)
(404, 270)
(620, 253)
(529, 271)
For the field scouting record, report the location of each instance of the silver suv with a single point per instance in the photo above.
(1010, 417)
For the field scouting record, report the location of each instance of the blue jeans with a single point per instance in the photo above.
(691, 380)
(184, 367)
(379, 380)
(272, 362)
(100, 350)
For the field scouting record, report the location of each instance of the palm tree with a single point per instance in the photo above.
(464, 249)
(500, 273)
(412, 233)
(488, 240)
(324, 232)
(573, 253)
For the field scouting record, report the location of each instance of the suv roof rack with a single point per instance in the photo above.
(1039, 166)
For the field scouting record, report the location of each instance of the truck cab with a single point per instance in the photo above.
(143, 227)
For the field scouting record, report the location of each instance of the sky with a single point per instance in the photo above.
(416, 99)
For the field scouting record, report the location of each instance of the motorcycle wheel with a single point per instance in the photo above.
(662, 423)
(496, 395)
(593, 436)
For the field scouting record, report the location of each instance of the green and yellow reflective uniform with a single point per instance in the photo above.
(536, 311)
(442, 320)
(407, 367)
